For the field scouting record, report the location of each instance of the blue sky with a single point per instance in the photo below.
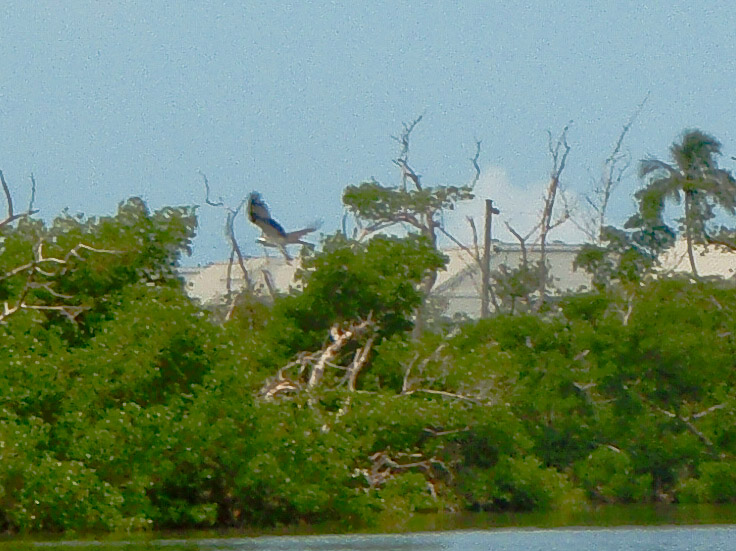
(103, 100)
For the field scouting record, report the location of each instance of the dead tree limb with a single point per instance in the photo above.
(359, 361)
(522, 239)
(38, 267)
(432, 357)
(476, 167)
(559, 151)
(402, 161)
(384, 468)
(614, 169)
(316, 362)
(12, 216)
(340, 337)
(406, 389)
(235, 250)
(686, 421)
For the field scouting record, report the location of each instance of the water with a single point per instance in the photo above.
(688, 538)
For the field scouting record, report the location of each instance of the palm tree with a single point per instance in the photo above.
(694, 175)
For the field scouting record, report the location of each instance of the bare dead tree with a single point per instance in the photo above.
(12, 216)
(425, 222)
(315, 363)
(41, 272)
(615, 168)
(525, 266)
(235, 250)
(402, 161)
(417, 206)
(481, 260)
(384, 468)
(340, 337)
(559, 150)
(522, 239)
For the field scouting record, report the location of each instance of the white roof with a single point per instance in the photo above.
(209, 283)
(710, 261)
(458, 283)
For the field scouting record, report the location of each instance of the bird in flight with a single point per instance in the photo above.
(273, 233)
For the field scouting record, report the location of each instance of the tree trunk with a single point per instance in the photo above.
(429, 281)
(485, 284)
(689, 235)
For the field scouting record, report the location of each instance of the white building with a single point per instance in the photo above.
(458, 285)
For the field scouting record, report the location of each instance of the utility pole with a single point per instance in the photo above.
(485, 268)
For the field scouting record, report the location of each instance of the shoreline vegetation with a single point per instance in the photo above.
(352, 401)
(594, 517)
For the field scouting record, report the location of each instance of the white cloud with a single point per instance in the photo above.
(520, 206)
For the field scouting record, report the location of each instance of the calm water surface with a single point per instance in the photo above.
(680, 538)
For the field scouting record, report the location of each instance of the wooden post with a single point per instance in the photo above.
(485, 268)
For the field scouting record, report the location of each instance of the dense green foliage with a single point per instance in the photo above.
(124, 405)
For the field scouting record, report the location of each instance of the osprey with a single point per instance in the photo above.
(272, 233)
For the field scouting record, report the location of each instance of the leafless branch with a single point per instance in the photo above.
(207, 199)
(339, 338)
(707, 411)
(445, 394)
(32, 199)
(685, 421)
(33, 269)
(403, 159)
(8, 196)
(474, 161)
(522, 242)
(446, 432)
(359, 361)
(383, 468)
(628, 310)
(476, 247)
(559, 151)
(317, 362)
(235, 250)
(407, 173)
(434, 356)
(613, 173)
(407, 373)
(12, 216)
(234, 241)
(452, 238)
(405, 134)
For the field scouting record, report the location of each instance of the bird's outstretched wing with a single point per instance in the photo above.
(259, 215)
(295, 237)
